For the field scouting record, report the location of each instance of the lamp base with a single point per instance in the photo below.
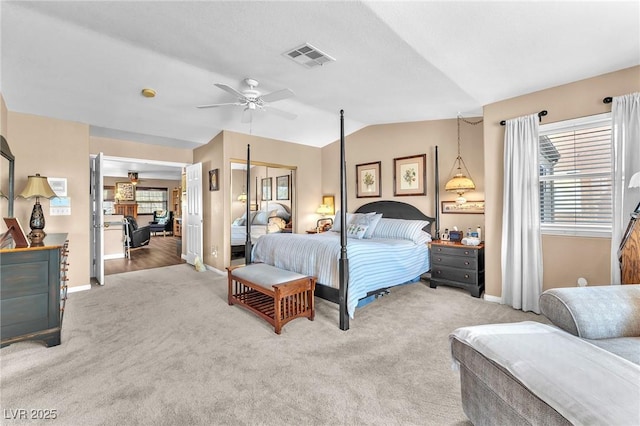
(37, 236)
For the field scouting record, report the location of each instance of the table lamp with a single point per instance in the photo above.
(37, 186)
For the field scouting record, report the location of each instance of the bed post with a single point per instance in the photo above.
(343, 263)
(437, 197)
(247, 243)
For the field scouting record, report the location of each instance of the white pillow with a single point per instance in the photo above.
(369, 219)
(351, 218)
(239, 221)
(401, 229)
(356, 230)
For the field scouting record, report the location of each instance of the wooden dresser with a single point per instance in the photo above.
(127, 209)
(457, 265)
(32, 291)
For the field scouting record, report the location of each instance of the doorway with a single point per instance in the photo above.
(160, 180)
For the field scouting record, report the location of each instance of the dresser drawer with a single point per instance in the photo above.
(23, 279)
(439, 272)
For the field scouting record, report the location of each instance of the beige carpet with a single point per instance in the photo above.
(162, 347)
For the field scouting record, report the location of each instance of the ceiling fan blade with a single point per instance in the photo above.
(277, 95)
(219, 105)
(281, 113)
(231, 90)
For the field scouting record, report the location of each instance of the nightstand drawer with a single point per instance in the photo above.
(454, 274)
(454, 261)
(454, 251)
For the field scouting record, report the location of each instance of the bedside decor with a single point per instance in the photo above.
(410, 175)
(469, 207)
(37, 186)
(368, 183)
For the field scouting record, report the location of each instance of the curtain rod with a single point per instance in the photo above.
(540, 115)
(607, 100)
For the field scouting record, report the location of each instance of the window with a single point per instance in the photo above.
(575, 176)
(151, 199)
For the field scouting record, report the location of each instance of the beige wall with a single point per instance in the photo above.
(128, 149)
(565, 258)
(388, 141)
(55, 148)
(214, 212)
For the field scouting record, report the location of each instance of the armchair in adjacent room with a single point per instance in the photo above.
(135, 237)
(162, 222)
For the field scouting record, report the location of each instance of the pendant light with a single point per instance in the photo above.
(460, 183)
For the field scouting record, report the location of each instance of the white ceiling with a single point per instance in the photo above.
(395, 61)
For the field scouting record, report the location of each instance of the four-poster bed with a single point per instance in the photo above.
(395, 253)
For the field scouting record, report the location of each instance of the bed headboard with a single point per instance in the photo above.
(397, 210)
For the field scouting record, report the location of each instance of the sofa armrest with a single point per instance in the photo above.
(599, 312)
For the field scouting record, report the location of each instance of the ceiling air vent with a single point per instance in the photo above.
(308, 56)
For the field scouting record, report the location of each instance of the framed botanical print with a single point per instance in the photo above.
(368, 182)
(214, 185)
(282, 187)
(125, 191)
(410, 175)
(266, 189)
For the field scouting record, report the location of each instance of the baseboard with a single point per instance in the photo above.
(78, 288)
(212, 269)
(113, 256)
(494, 299)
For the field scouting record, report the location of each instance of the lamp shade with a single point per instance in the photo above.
(242, 197)
(324, 209)
(37, 186)
(634, 182)
(460, 184)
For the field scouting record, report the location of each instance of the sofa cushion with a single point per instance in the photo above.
(598, 312)
(626, 347)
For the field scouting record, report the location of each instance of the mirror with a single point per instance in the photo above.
(271, 200)
(7, 180)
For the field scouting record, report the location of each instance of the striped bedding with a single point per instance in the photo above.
(374, 263)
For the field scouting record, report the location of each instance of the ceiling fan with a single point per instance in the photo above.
(252, 100)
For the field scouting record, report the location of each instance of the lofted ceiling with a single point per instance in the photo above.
(87, 61)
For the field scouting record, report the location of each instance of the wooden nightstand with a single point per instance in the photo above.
(457, 265)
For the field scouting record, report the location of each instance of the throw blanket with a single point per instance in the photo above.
(584, 383)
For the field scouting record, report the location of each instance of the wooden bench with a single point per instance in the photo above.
(274, 294)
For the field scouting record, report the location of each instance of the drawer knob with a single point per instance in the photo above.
(466, 252)
(439, 259)
(466, 275)
(466, 263)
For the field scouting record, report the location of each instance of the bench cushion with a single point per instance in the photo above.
(264, 275)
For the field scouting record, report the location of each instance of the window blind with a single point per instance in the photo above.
(575, 176)
(151, 199)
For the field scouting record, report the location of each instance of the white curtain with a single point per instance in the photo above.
(625, 131)
(521, 241)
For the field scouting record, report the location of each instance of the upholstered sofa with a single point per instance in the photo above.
(135, 236)
(583, 369)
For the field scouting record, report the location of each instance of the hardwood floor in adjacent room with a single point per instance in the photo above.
(161, 251)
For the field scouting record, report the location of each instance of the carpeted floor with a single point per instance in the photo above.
(163, 347)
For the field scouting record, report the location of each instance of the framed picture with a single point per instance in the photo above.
(59, 186)
(125, 191)
(410, 175)
(282, 187)
(329, 200)
(213, 180)
(470, 207)
(266, 189)
(368, 182)
(17, 233)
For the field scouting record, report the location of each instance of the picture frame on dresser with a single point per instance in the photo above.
(17, 233)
